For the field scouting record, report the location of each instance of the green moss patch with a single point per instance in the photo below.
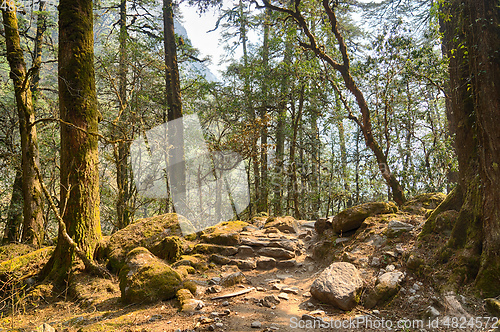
(148, 233)
(146, 279)
(225, 233)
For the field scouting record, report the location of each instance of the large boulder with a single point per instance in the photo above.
(421, 204)
(387, 286)
(353, 217)
(225, 233)
(149, 233)
(145, 278)
(340, 285)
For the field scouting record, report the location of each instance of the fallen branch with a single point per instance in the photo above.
(227, 296)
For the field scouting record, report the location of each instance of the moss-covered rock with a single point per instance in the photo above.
(386, 288)
(196, 261)
(421, 204)
(187, 301)
(12, 250)
(226, 233)
(145, 278)
(21, 267)
(353, 217)
(208, 248)
(146, 233)
(169, 248)
(283, 224)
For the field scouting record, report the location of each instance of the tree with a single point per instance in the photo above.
(344, 69)
(33, 223)
(79, 202)
(175, 135)
(471, 41)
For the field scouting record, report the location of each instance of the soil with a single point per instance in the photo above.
(93, 304)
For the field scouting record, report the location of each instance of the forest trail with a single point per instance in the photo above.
(276, 291)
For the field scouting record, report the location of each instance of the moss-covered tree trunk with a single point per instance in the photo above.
(12, 230)
(472, 42)
(176, 162)
(79, 201)
(33, 224)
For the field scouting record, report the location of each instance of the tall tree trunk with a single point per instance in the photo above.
(293, 163)
(41, 26)
(315, 166)
(33, 224)
(12, 231)
(472, 41)
(280, 130)
(343, 160)
(123, 210)
(175, 132)
(264, 185)
(79, 137)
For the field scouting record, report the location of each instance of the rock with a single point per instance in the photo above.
(169, 248)
(253, 242)
(283, 224)
(285, 244)
(340, 285)
(387, 286)
(233, 279)
(245, 251)
(219, 259)
(45, 328)
(196, 261)
(256, 325)
(286, 264)
(24, 264)
(414, 262)
(148, 233)
(283, 296)
(214, 289)
(188, 302)
(422, 203)
(375, 261)
(279, 253)
(323, 224)
(431, 313)
(376, 240)
(270, 301)
(266, 263)
(145, 278)
(308, 224)
(208, 248)
(395, 228)
(225, 233)
(245, 264)
(290, 290)
(271, 230)
(353, 217)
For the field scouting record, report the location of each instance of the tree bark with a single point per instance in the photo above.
(33, 223)
(79, 191)
(175, 134)
(472, 41)
(12, 230)
(123, 210)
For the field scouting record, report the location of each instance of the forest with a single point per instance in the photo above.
(113, 123)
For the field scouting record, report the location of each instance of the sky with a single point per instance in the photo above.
(198, 25)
